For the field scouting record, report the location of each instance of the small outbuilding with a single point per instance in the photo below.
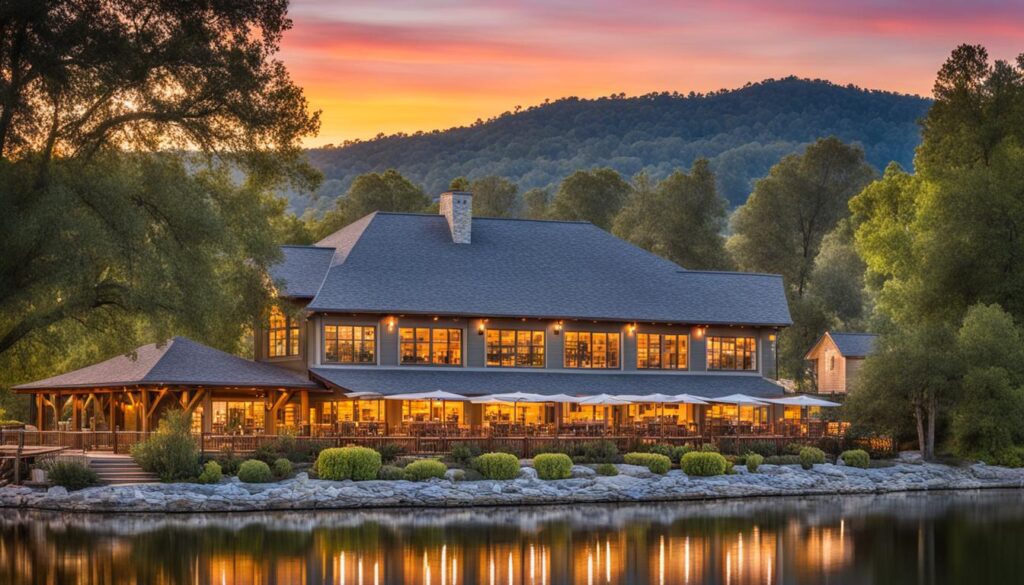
(836, 358)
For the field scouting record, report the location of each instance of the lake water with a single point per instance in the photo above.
(969, 538)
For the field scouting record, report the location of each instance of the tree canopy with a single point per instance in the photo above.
(595, 196)
(387, 191)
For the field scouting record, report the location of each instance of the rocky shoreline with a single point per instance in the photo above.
(633, 484)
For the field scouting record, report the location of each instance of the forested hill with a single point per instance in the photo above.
(743, 131)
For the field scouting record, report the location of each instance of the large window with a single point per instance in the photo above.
(732, 353)
(510, 348)
(350, 344)
(655, 351)
(584, 349)
(282, 334)
(429, 346)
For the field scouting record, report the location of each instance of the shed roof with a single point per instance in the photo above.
(387, 381)
(179, 361)
(407, 263)
(855, 345)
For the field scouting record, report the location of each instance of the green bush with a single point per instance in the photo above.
(856, 458)
(425, 469)
(463, 453)
(809, 456)
(355, 463)
(754, 460)
(288, 447)
(212, 473)
(390, 473)
(607, 469)
(389, 452)
(660, 449)
(703, 464)
(229, 463)
(282, 468)
(497, 465)
(170, 452)
(255, 471)
(603, 451)
(709, 448)
(659, 464)
(553, 466)
(783, 460)
(678, 452)
(69, 472)
(792, 449)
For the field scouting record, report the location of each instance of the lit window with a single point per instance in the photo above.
(510, 348)
(350, 344)
(655, 351)
(282, 334)
(831, 362)
(430, 346)
(732, 353)
(584, 349)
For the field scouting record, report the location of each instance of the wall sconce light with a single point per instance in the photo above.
(558, 327)
(631, 329)
(771, 338)
(700, 332)
(481, 327)
(391, 324)
(435, 318)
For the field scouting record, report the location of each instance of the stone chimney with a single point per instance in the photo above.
(457, 208)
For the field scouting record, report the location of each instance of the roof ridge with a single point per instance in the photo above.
(304, 246)
(853, 333)
(729, 273)
(484, 217)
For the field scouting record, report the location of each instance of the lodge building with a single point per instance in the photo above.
(404, 324)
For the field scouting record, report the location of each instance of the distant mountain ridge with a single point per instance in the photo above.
(742, 131)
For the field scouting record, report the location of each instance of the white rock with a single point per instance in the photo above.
(57, 492)
(527, 473)
(583, 471)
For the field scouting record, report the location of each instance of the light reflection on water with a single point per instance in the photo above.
(914, 538)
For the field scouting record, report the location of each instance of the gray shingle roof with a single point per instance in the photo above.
(854, 344)
(477, 382)
(407, 263)
(179, 361)
(302, 270)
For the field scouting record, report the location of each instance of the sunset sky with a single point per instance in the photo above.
(404, 65)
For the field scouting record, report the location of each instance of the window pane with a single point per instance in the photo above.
(684, 351)
(405, 334)
(613, 350)
(641, 351)
(422, 335)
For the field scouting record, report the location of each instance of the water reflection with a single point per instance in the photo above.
(944, 538)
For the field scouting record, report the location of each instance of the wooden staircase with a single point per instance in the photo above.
(119, 469)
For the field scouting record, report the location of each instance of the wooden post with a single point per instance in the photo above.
(304, 412)
(145, 410)
(76, 413)
(207, 426)
(270, 418)
(17, 457)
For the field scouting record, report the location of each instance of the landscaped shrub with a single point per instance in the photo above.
(212, 472)
(497, 465)
(1007, 457)
(792, 449)
(553, 466)
(69, 472)
(678, 452)
(170, 452)
(463, 453)
(282, 468)
(288, 447)
(425, 469)
(607, 469)
(355, 463)
(754, 460)
(390, 472)
(255, 471)
(809, 456)
(389, 452)
(660, 449)
(703, 463)
(659, 464)
(783, 460)
(600, 452)
(229, 463)
(709, 448)
(856, 458)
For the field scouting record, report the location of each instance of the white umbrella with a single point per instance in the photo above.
(559, 398)
(431, 396)
(739, 399)
(605, 400)
(802, 400)
(665, 398)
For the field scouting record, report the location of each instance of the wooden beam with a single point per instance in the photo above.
(156, 402)
(40, 414)
(191, 405)
(144, 411)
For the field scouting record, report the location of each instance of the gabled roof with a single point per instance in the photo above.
(407, 263)
(850, 345)
(302, 270)
(180, 361)
(387, 381)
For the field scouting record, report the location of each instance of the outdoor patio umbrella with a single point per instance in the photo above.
(663, 399)
(559, 398)
(516, 397)
(739, 399)
(431, 396)
(802, 400)
(603, 400)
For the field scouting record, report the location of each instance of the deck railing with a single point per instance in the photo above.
(122, 441)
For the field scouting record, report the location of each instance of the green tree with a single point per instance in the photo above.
(535, 203)
(912, 373)
(494, 197)
(122, 215)
(459, 184)
(682, 218)
(780, 227)
(387, 191)
(837, 280)
(595, 196)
